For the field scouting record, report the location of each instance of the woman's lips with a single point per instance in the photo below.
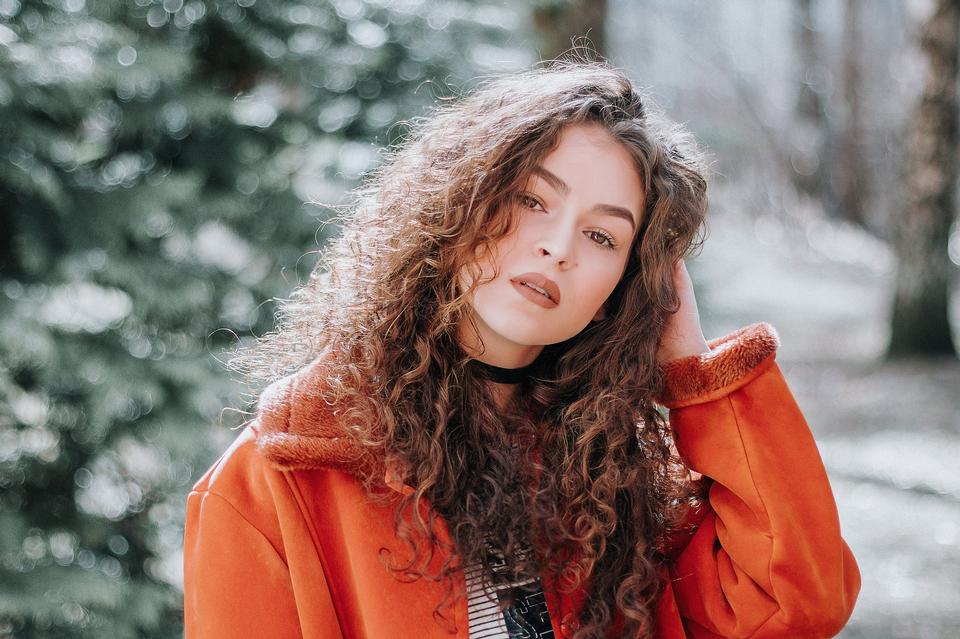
(539, 281)
(537, 298)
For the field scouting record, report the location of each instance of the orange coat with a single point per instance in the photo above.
(280, 540)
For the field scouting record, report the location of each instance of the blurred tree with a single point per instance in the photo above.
(559, 22)
(154, 160)
(850, 168)
(920, 320)
(811, 152)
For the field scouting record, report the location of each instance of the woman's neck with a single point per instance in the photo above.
(493, 349)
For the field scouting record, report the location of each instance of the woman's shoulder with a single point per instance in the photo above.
(239, 474)
(298, 426)
(294, 431)
(295, 428)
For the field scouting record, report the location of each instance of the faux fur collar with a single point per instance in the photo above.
(297, 429)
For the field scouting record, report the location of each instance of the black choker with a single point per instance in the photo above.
(502, 375)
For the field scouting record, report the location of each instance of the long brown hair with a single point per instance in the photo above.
(581, 465)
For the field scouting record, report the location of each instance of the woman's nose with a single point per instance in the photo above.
(556, 243)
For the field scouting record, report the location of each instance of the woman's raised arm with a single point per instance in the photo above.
(767, 560)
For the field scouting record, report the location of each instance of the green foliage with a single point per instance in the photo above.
(155, 162)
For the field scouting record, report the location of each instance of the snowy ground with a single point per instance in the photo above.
(889, 432)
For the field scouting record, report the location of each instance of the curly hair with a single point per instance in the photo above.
(580, 467)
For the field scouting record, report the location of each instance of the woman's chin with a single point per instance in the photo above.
(527, 333)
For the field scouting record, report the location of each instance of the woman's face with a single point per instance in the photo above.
(576, 220)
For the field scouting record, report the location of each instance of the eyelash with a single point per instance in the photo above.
(606, 236)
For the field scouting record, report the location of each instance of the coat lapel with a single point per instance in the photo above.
(354, 537)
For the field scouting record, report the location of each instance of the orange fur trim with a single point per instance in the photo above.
(732, 361)
(297, 429)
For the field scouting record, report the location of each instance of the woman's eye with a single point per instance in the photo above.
(603, 239)
(529, 202)
(599, 237)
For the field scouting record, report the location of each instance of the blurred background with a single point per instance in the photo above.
(161, 162)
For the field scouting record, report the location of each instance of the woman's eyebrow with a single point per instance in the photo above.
(607, 209)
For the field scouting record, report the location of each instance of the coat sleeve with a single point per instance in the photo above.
(249, 564)
(236, 584)
(767, 559)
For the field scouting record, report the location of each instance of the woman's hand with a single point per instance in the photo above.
(682, 335)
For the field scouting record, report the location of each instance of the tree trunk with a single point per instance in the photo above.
(920, 323)
(558, 22)
(810, 153)
(850, 169)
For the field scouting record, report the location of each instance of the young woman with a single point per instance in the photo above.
(471, 438)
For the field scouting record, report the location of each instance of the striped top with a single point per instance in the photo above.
(506, 610)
